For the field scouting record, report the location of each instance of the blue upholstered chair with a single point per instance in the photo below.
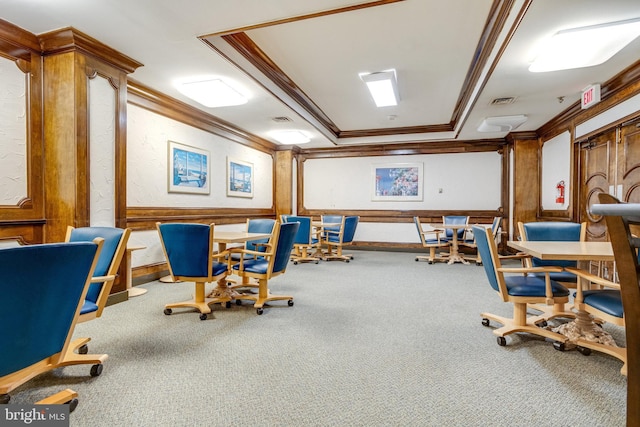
(430, 239)
(304, 241)
(520, 289)
(454, 220)
(469, 239)
(336, 240)
(113, 249)
(42, 288)
(266, 265)
(188, 248)
(257, 225)
(554, 231)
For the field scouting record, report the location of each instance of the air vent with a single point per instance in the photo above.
(503, 101)
(282, 119)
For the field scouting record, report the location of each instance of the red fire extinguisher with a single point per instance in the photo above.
(560, 192)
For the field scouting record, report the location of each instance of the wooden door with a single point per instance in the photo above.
(629, 163)
(597, 167)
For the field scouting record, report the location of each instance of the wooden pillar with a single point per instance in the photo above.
(283, 184)
(71, 60)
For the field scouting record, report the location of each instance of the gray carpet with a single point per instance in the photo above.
(380, 341)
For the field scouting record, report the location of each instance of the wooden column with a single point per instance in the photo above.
(283, 182)
(71, 59)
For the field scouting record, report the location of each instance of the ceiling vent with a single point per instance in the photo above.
(502, 123)
(503, 101)
(282, 119)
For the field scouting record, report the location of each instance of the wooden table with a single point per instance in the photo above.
(583, 327)
(571, 251)
(223, 238)
(319, 225)
(454, 254)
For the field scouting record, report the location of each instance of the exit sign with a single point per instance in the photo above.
(590, 96)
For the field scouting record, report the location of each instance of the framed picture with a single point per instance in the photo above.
(188, 169)
(239, 178)
(397, 182)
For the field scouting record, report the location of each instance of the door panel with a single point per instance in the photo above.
(629, 173)
(595, 176)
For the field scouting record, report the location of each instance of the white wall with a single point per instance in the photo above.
(13, 134)
(147, 175)
(469, 181)
(556, 168)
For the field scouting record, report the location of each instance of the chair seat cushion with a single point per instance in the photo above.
(531, 286)
(258, 266)
(88, 307)
(218, 268)
(608, 301)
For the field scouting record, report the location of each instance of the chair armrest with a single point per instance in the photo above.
(100, 279)
(549, 269)
(222, 254)
(583, 274)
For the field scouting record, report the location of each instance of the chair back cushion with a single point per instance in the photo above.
(553, 231)
(455, 220)
(284, 245)
(416, 221)
(187, 248)
(303, 236)
(259, 226)
(495, 226)
(350, 224)
(111, 236)
(332, 219)
(41, 287)
(486, 255)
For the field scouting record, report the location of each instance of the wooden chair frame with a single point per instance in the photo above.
(433, 247)
(199, 301)
(520, 322)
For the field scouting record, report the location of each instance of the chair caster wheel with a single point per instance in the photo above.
(73, 404)
(559, 346)
(83, 349)
(485, 322)
(295, 262)
(203, 316)
(4, 399)
(502, 341)
(96, 370)
(168, 311)
(259, 311)
(542, 324)
(227, 304)
(238, 302)
(417, 259)
(584, 350)
(290, 303)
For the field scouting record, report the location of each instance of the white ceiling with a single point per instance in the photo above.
(448, 73)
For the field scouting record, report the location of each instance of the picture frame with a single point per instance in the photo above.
(188, 169)
(400, 182)
(239, 178)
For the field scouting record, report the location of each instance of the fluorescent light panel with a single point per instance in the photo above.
(290, 137)
(383, 87)
(585, 46)
(212, 93)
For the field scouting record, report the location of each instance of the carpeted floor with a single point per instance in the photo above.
(380, 341)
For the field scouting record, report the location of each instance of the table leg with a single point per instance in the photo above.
(454, 255)
(222, 289)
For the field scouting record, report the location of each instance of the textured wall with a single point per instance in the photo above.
(13, 133)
